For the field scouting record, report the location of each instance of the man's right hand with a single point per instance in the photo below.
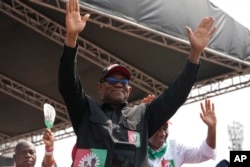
(48, 138)
(75, 23)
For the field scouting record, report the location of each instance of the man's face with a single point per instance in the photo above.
(157, 140)
(25, 155)
(114, 93)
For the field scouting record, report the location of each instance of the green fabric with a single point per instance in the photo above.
(158, 153)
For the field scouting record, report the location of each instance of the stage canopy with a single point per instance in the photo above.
(146, 36)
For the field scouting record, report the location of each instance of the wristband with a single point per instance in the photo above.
(49, 150)
(49, 153)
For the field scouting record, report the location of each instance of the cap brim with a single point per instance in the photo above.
(119, 69)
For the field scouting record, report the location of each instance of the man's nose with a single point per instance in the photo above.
(28, 154)
(118, 84)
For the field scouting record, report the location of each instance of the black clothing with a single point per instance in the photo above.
(98, 126)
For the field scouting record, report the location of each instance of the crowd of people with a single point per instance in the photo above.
(110, 133)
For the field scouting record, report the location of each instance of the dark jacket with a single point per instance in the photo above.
(98, 126)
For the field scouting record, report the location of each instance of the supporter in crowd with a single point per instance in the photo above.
(163, 152)
(25, 152)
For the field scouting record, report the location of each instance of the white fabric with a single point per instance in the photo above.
(180, 154)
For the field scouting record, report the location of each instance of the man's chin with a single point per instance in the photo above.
(119, 100)
(161, 142)
(29, 164)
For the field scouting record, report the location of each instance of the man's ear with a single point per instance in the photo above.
(99, 88)
(98, 84)
(129, 88)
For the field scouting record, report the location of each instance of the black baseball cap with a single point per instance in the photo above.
(114, 68)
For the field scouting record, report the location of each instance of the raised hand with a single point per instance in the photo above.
(75, 23)
(148, 99)
(48, 138)
(200, 37)
(208, 113)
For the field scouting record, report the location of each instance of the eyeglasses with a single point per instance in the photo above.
(113, 81)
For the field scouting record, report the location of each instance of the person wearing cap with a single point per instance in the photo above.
(164, 152)
(104, 128)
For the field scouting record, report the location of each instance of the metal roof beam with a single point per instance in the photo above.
(62, 131)
(55, 32)
(216, 86)
(89, 51)
(31, 97)
(21, 12)
(136, 30)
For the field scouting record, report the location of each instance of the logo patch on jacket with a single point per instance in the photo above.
(134, 138)
(167, 163)
(90, 157)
